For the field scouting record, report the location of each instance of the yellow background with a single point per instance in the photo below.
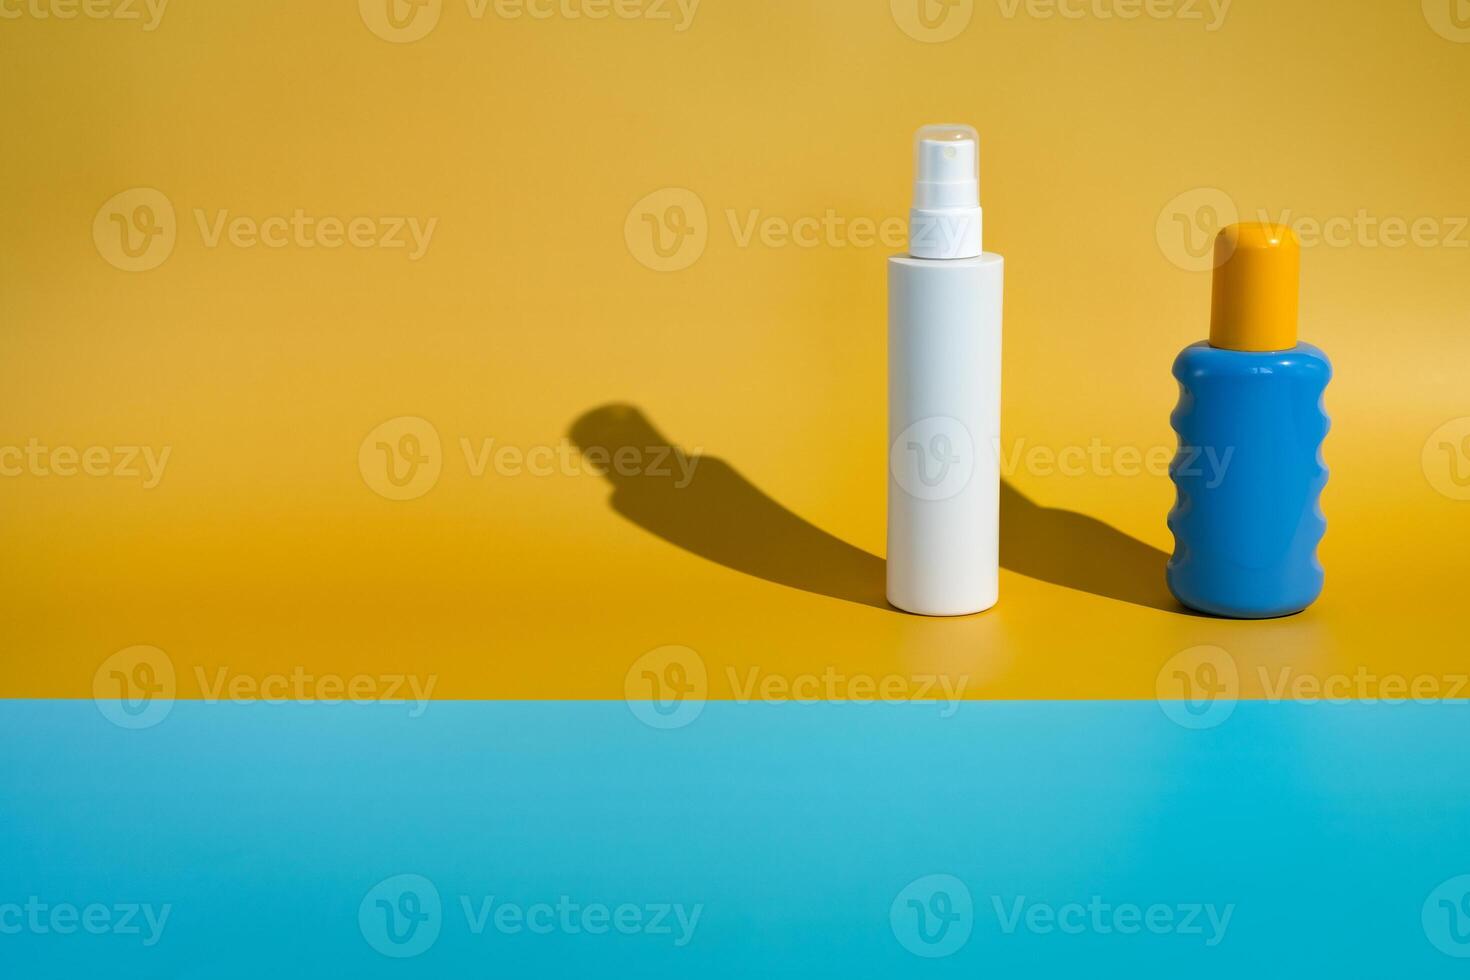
(264, 549)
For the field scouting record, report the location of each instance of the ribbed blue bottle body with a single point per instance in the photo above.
(1249, 475)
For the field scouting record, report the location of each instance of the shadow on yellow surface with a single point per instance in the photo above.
(1080, 552)
(709, 509)
(718, 514)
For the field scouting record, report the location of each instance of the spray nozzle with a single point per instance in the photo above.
(945, 222)
(946, 167)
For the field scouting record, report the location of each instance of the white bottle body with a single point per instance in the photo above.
(944, 346)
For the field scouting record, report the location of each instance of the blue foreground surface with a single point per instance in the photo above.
(510, 839)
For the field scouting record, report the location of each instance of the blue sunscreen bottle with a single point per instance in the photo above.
(1250, 420)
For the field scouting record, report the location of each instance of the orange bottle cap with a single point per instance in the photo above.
(1256, 293)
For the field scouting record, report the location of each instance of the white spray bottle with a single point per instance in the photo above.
(944, 320)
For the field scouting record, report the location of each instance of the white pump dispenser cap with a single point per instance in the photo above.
(945, 222)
